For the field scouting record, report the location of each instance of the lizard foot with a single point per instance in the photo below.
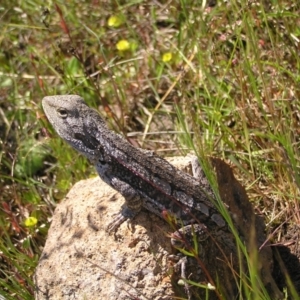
(119, 218)
(182, 267)
(181, 264)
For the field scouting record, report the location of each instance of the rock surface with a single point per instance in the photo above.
(82, 261)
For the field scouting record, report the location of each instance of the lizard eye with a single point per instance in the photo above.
(62, 112)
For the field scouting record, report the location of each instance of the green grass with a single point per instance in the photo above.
(233, 81)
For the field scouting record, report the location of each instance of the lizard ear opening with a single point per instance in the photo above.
(62, 112)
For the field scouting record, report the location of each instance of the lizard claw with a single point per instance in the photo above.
(115, 223)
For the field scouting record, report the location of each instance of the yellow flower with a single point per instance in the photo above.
(123, 45)
(167, 57)
(30, 222)
(115, 21)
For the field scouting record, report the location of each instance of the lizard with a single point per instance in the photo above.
(144, 179)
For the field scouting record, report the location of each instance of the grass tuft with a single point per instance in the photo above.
(224, 76)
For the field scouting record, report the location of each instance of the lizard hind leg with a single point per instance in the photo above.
(188, 239)
(132, 206)
(198, 172)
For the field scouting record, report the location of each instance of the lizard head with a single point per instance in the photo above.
(74, 121)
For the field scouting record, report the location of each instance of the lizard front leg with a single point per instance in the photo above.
(131, 207)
